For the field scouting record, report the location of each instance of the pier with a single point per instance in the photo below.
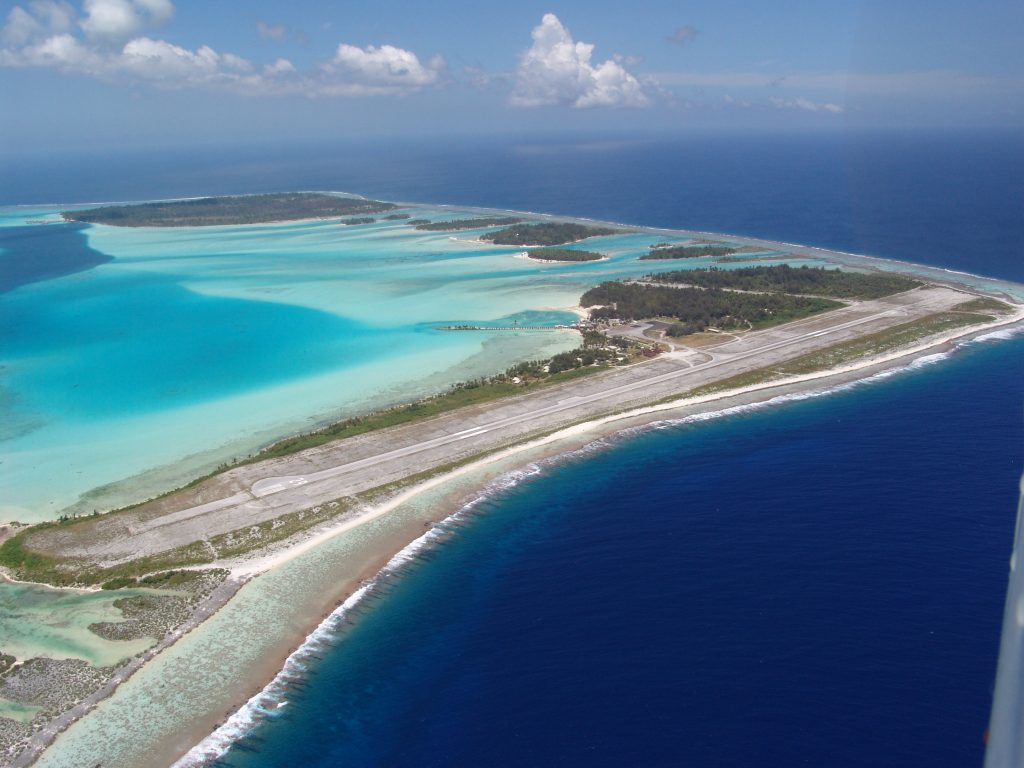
(515, 327)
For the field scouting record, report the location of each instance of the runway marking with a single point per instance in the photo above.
(571, 402)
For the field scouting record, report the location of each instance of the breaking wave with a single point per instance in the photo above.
(273, 697)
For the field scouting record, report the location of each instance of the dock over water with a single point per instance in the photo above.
(508, 328)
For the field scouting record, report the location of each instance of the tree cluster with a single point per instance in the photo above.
(687, 252)
(545, 233)
(697, 309)
(563, 254)
(783, 278)
(244, 209)
(457, 224)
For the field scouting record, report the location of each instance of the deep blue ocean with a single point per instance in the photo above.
(815, 583)
(819, 584)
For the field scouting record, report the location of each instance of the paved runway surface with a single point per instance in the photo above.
(259, 492)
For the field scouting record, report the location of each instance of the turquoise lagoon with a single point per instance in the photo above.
(188, 347)
(191, 346)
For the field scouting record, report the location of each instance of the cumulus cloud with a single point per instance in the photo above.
(119, 20)
(47, 17)
(556, 70)
(279, 67)
(683, 35)
(384, 69)
(104, 41)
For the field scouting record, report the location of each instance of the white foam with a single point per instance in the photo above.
(271, 699)
(1002, 334)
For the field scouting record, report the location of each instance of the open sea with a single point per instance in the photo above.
(818, 582)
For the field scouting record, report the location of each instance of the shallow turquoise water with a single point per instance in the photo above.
(196, 345)
(40, 621)
(192, 346)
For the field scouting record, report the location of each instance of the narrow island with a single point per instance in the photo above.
(655, 347)
(782, 278)
(220, 211)
(358, 220)
(693, 251)
(697, 309)
(691, 301)
(563, 254)
(546, 233)
(459, 224)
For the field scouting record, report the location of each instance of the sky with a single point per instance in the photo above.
(150, 73)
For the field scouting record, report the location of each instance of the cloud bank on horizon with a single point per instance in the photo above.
(104, 42)
(123, 42)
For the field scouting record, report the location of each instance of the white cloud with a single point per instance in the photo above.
(104, 43)
(117, 20)
(158, 60)
(63, 52)
(21, 27)
(48, 17)
(279, 67)
(557, 70)
(384, 69)
(805, 104)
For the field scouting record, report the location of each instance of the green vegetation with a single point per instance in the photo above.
(547, 233)
(879, 343)
(6, 662)
(396, 217)
(563, 254)
(177, 579)
(245, 209)
(984, 304)
(687, 251)
(596, 353)
(786, 279)
(30, 565)
(698, 309)
(606, 352)
(119, 583)
(417, 222)
(457, 224)
(359, 220)
(581, 361)
(163, 570)
(188, 580)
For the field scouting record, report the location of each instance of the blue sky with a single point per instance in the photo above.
(102, 73)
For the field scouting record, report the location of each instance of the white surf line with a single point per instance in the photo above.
(270, 486)
(254, 567)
